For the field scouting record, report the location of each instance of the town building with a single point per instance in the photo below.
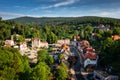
(9, 43)
(64, 47)
(88, 54)
(44, 44)
(23, 46)
(36, 43)
(64, 41)
(116, 37)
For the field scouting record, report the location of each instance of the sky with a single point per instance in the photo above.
(59, 8)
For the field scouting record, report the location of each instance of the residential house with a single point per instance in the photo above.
(64, 47)
(35, 43)
(9, 43)
(23, 46)
(83, 44)
(103, 27)
(88, 54)
(67, 41)
(44, 44)
(60, 41)
(115, 37)
(64, 41)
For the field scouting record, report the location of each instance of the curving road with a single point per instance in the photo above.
(77, 66)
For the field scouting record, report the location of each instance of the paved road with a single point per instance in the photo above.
(77, 66)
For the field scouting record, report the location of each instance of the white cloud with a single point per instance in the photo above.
(8, 15)
(64, 3)
(109, 13)
(19, 7)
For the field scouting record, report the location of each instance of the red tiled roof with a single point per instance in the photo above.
(116, 37)
(90, 55)
(90, 49)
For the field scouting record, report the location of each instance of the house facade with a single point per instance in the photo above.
(23, 46)
(44, 44)
(9, 43)
(35, 43)
(64, 41)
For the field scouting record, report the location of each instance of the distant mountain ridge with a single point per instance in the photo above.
(66, 20)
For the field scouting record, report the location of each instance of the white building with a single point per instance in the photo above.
(67, 41)
(64, 41)
(23, 46)
(36, 43)
(9, 43)
(44, 44)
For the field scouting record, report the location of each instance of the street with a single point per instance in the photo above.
(77, 66)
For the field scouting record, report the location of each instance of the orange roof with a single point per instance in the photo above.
(65, 47)
(90, 49)
(116, 37)
(90, 55)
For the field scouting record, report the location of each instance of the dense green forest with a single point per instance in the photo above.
(68, 20)
(50, 30)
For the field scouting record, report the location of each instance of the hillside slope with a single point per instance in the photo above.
(67, 20)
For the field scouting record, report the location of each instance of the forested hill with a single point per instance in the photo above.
(67, 20)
